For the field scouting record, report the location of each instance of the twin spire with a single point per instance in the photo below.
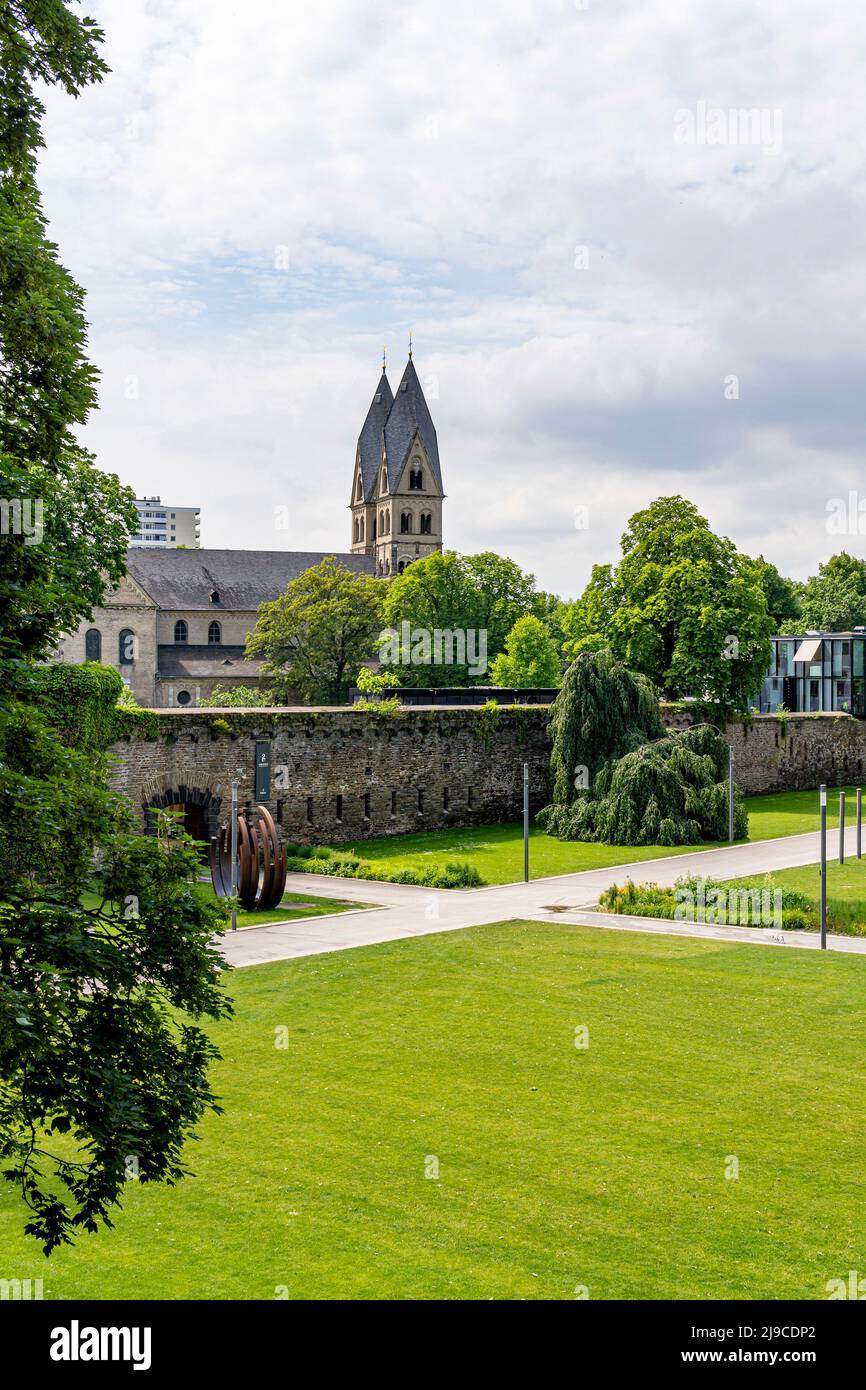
(385, 349)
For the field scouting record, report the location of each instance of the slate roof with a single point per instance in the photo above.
(244, 579)
(370, 438)
(187, 661)
(408, 414)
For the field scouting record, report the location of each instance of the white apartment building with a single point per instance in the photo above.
(166, 526)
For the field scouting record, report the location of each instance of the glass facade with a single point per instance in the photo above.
(828, 677)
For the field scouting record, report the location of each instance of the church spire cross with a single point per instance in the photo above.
(410, 345)
(384, 349)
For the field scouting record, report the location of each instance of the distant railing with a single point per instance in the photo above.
(464, 695)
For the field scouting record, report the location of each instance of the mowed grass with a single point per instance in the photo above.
(558, 1167)
(846, 890)
(293, 907)
(496, 851)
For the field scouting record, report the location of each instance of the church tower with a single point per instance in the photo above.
(397, 482)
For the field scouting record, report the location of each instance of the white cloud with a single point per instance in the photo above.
(437, 167)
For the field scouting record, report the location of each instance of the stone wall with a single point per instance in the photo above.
(343, 775)
(797, 751)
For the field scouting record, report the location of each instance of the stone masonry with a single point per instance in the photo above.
(341, 775)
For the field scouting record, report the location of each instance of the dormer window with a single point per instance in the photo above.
(416, 479)
(215, 595)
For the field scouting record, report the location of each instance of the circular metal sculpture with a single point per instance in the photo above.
(261, 861)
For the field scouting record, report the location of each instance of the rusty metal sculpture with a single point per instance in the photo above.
(261, 861)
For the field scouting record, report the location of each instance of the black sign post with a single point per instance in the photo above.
(263, 772)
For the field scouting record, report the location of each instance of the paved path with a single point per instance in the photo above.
(403, 910)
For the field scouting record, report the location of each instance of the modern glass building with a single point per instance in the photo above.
(815, 673)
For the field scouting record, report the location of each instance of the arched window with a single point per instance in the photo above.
(405, 523)
(387, 520)
(360, 492)
(181, 632)
(426, 523)
(384, 486)
(361, 529)
(214, 635)
(416, 479)
(381, 523)
(373, 523)
(126, 647)
(401, 566)
(93, 644)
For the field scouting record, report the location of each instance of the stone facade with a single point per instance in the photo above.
(397, 491)
(342, 775)
(797, 751)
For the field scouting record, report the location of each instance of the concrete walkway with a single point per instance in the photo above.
(403, 910)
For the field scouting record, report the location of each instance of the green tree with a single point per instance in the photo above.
(834, 599)
(530, 658)
(463, 594)
(782, 595)
(686, 609)
(618, 778)
(315, 635)
(587, 621)
(98, 1070)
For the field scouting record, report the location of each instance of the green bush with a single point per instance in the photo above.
(348, 864)
(799, 913)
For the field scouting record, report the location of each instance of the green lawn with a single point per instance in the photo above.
(295, 906)
(846, 891)
(496, 851)
(557, 1167)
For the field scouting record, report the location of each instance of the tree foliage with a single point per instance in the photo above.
(683, 607)
(530, 658)
(834, 600)
(102, 936)
(476, 594)
(315, 635)
(618, 778)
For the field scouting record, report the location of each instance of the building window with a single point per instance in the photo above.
(93, 644)
(420, 802)
(181, 632)
(405, 523)
(360, 492)
(393, 803)
(426, 523)
(183, 697)
(339, 808)
(214, 634)
(126, 645)
(366, 805)
(387, 520)
(309, 810)
(416, 479)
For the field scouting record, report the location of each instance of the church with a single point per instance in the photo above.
(176, 625)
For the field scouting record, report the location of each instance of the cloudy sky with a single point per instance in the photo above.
(618, 286)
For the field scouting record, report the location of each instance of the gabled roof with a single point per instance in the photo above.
(407, 415)
(195, 662)
(243, 579)
(370, 438)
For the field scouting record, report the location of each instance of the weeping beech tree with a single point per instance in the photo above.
(619, 778)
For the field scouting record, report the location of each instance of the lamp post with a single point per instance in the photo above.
(730, 794)
(823, 867)
(234, 853)
(526, 822)
(841, 827)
